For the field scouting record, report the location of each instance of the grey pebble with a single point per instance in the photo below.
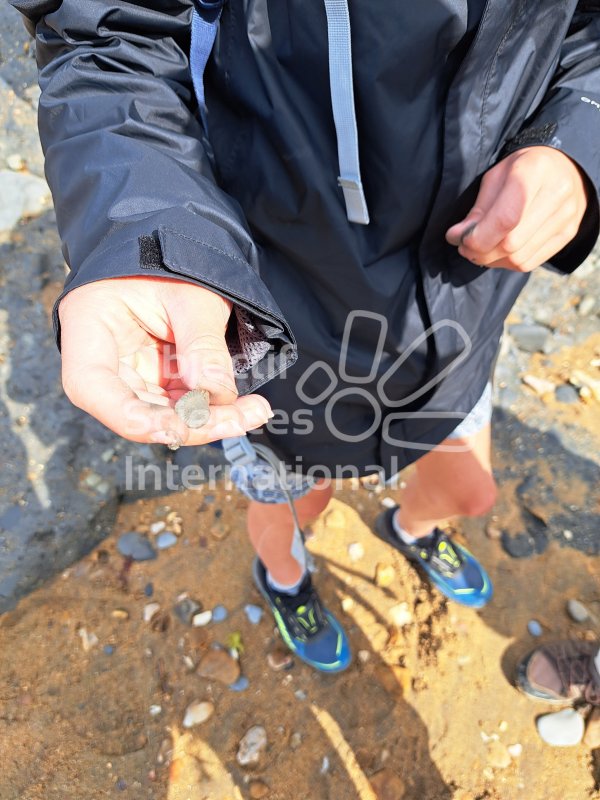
(186, 609)
(586, 306)
(534, 627)
(566, 393)
(577, 611)
(165, 540)
(134, 545)
(240, 685)
(219, 614)
(529, 338)
(254, 613)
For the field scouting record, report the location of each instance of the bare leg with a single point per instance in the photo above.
(271, 531)
(449, 484)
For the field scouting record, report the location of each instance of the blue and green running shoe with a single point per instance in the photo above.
(447, 564)
(308, 629)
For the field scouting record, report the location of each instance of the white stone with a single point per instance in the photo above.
(88, 640)
(252, 746)
(197, 713)
(401, 615)
(515, 750)
(21, 195)
(562, 728)
(201, 619)
(150, 609)
(356, 551)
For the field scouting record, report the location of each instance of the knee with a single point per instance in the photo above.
(480, 500)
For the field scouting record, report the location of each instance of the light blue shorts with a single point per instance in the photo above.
(259, 482)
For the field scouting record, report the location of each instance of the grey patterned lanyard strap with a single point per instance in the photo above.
(344, 115)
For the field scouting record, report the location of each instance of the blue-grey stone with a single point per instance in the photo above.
(149, 590)
(165, 539)
(108, 649)
(134, 545)
(530, 338)
(534, 627)
(562, 728)
(254, 613)
(240, 685)
(566, 393)
(219, 614)
(186, 609)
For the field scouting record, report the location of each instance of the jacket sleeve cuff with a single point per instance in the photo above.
(259, 339)
(569, 121)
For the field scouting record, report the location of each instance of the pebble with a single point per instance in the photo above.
(300, 694)
(202, 619)
(385, 575)
(148, 590)
(198, 712)
(529, 338)
(515, 750)
(355, 551)
(254, 613)
(388, 502)
(324, 766)
(585, 307)
(108, 649)
(165, 540)
(15, 162)
(566, 394)
(562, 728)
(119, 613)
(540, 386)
(220, 666)
(150, 609)
(257, 790)
(498, 756)
(347, 604)
(157, 527)
(534, 627)
(400, 615)
(240, 685)
(592, 730)
(133, 545)
(186, 609)
(387, 785)
(280, 660)
(363, 656)
(88, 640)
(219, 614)
(577, 611)
(21, 195)
(252, 746)
(492, 531)
(295, 740)
(121, 785)
(155, 710)
(568, 535)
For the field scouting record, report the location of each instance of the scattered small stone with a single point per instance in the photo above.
(219, 614)
(577, 611)
(295, 740)
(257, 790)
(21, 195)
(252, 746)
(592, 730)
(148, 590)
(498, 756)
(347, 604)
(492, 531)
(387, 785)
(515, 750)
(566, 394)
(155, 710)
(198, 712)
(121, 785)
(534, 627)
(88, 640)
(568, 535)
(585, 307)
(202, 619)
(400, 615)
(355, 551)
(107, 455)
(529, 338)
(15, 162)
(385, 575)
(503, 726)
(300, 694)
(388, 502)
(324, 766)
(165, 540)
(280, 660)
(133, 545)
(363, 656)
(150, 609)
(157, 527)
(254, 613)
(189, 663)
(240, 685)
(108, 649)
(186, 609)
(540, 386)
(562, 728)
(220, 666)
(119, 613)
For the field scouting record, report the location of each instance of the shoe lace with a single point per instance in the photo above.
(304, 610)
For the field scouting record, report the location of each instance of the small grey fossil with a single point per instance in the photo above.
(193, 408)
